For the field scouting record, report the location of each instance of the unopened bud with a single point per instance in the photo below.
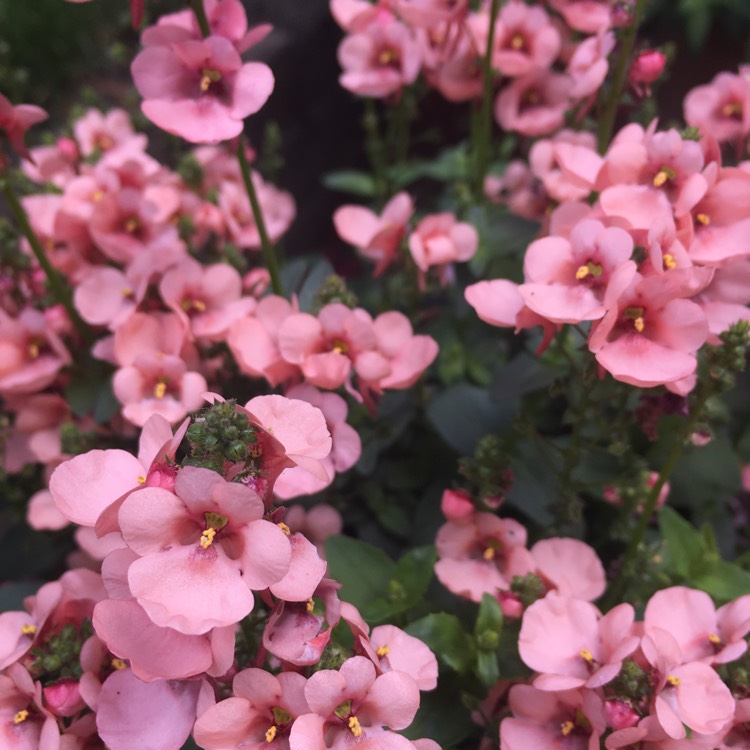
(647, 67)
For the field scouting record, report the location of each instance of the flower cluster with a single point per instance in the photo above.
(191, 553)
(547, 65)
(646, 266)
(680, 672)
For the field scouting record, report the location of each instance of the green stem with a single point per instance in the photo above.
(269, 256)
(200, 16)
(618, 586)
(60, 290)
(375, 149)
(607, 120)
(484, 127)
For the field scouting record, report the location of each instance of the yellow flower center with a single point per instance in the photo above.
(207, 538)
(387, 57)
(340, 346)
(354, 726)
(713, 638)
(309, 605)
(141, 479)
(704, 219)
(669, 262)
(733, 109)
(663, 175)
(118, 663)
(160, 389)
(518, 42)
(383, 651)
(209, 76)
(271, 733)
(590, 269)
(284, 528)
(21, 716)
(28, 629)
(33, 350)
(131, 224)
(567, 727)
(672, 680)
(636, 315)
(586, 655)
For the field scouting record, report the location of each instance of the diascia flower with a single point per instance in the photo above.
(204, 547)
(200, 90)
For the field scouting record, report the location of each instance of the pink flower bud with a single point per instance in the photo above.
(162, 475)
(256, 282)
(510, 605)
(647, 67)
(63, 698)
(620, 715)
(68, 148)
(456, 505)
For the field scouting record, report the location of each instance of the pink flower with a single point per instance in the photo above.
(570, 566)
(16, 120)
(261, 711)
(571, 645)
(722, 107)
(534, 104)
(702, 632)
(200, 90)
(98, 131)
(439, 240)
(354, 703)
(650, 333)
(481, 555)
(566, 280)
(376, 237)
(379, 60)
(202, 550)
(525, 39)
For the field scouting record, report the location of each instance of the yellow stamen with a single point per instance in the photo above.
(103, 142)
(284, 528)
(713, 638)
(28, 629)
(355, 726)
(118, 663)
(566, 728)
(704, 219)
(131, 225)
(21, 716)
(199, 305)
(660, 178)
(160, 389)
(309, 605)
(733, 109)
(96, 196)
(387, 57)
(517, 42)
(383, 651)
(582, 272)
(672, 680)
(586, 655)
(209, 76)
(125, 292)
(141, 479)
(636, 315)
(255, 450)
(271, 733)
(638, 324)
(669, 262)
(340, 347)
(33, 350)
(207, 538)
(489, 553)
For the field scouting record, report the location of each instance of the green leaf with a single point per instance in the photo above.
(414, 572)
(365, 573)
(487, 667)
(489, 624)
(683, 544)
(351, 181)
(464, 413)
(724, 581)
(445, 635)
(523, 374)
